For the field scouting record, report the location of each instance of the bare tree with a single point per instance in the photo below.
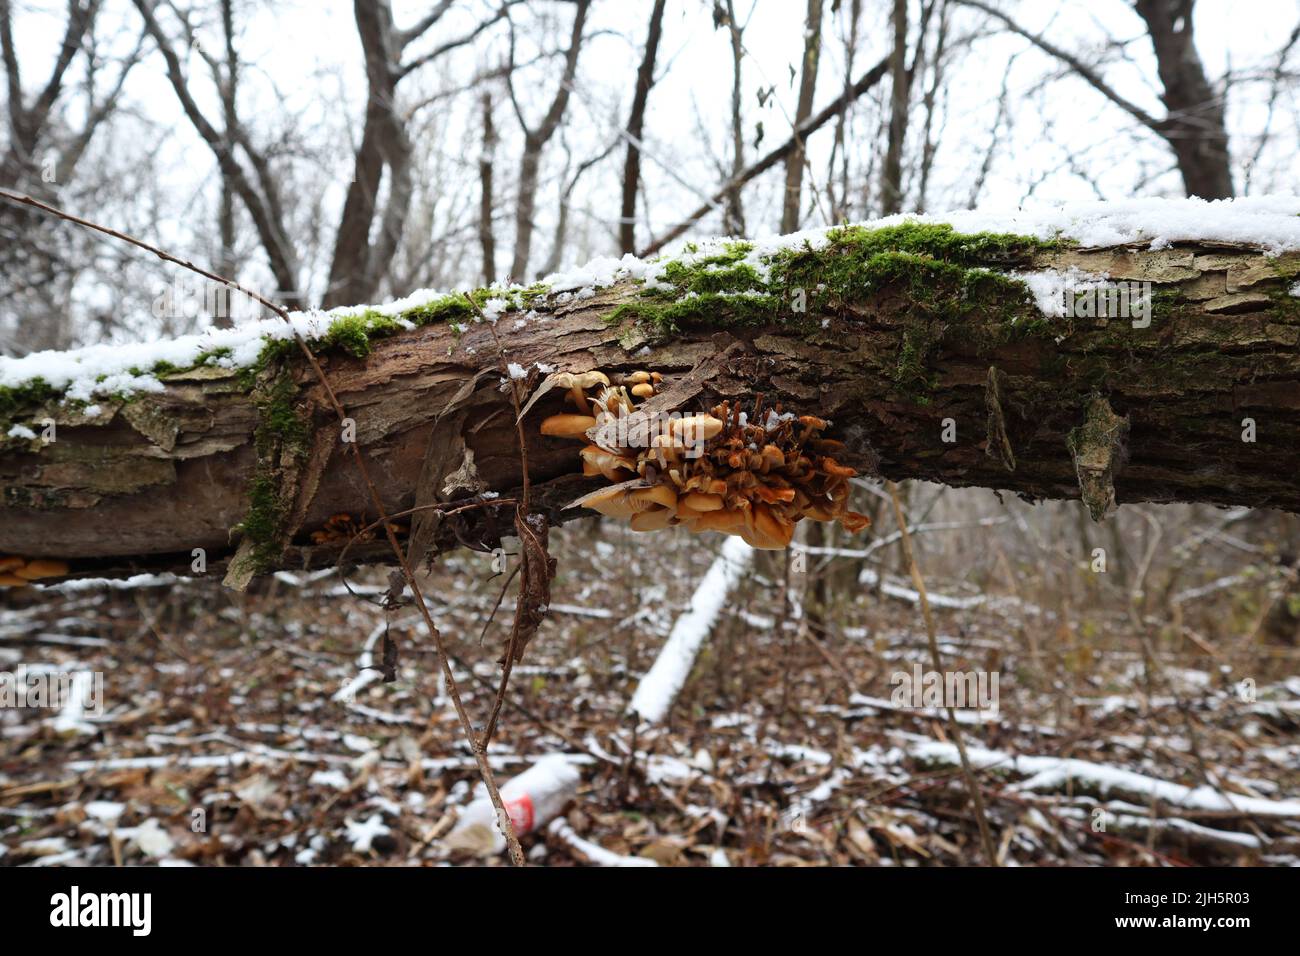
(734, 213)
(891, 173)
(536, 138)
(570, 184)
(773, 157)
(226, 263)
(645, 77)
(47, 133)
(929, 100)
(1194, 123)
(27, 124)
(486, 159)
(839, 202)
(794, 160)
(1193, 126)
(259, 192)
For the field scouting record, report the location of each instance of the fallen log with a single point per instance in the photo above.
(1140, 351)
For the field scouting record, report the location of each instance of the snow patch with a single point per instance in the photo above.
(1050, 288)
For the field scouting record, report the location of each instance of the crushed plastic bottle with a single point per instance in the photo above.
(531, 799)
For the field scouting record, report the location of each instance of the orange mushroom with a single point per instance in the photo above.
(577, 384)
(41, 568)
(568, 426)
(755, 475)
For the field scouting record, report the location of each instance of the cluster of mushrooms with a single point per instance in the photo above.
(18, 572)
(748, 474)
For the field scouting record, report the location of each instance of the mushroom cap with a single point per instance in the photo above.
(696, 427)
(659, 495)
(598, 461)
(773, 457)
(819, 512)
(653, 519)
(852, 522)
(725, 520)
(614, 401)
(637, 378)
(832, 467)
(611, 501)
(771, 495)
(643, 390)
(567, 425)
(666, 448)
(42, 568)
(8, 564)
(699, 501)
(581, 379)
(12, 581)
(776, 531)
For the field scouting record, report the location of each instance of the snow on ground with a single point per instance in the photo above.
(1050, 774)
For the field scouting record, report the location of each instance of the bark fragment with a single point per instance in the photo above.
(1098, 450)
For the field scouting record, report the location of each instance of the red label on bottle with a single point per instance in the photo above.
(521, 813)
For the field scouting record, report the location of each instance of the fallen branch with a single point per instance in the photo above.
(661, 684)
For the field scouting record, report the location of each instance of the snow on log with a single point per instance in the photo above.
(658, 689)
(1146, 350)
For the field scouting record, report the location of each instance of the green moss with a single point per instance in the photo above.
(942, 274)
(20, 399)
(352, 333)
(282, 439)
(1285, 305)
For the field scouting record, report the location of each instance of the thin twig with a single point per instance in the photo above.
(972, 786)
(521, 524)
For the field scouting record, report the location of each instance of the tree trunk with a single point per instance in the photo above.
(891, 172)
(995, 395)
(535, 140)
(645, 77)
(1194, 123)
(812, 47)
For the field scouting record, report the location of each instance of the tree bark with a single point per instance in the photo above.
(156, 476)
(487, 202)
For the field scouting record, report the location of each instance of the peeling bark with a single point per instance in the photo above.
(145, 481)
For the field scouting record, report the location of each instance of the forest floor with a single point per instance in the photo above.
(240, 729)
